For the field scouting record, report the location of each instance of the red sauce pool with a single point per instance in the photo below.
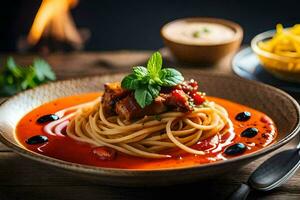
(67, 149)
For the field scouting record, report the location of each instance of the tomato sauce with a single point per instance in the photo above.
(67, 149)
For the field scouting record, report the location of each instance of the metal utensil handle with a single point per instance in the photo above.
(240, 193)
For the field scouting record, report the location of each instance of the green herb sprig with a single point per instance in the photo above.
(15, 78)
(147, 82)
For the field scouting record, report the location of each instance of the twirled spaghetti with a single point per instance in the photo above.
(150, 136)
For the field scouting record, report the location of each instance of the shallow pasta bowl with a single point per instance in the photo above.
(282, 108)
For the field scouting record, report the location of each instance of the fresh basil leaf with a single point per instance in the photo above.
(8, 90)
(143, 97)
(130, 82)
(151, 82)
(157, 81)
(154, 64)
(154, 90)
(145, 80)
(2, 80)
(10, 79)
(140, 71)
(14, 78)
(29, 81)
(43, 70)
(170, 77)
(13, 68)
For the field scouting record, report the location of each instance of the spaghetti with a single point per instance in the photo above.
(148, 137)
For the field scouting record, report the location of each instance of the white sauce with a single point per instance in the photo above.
(197, 32)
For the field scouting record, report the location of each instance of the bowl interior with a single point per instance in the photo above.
(283, 109)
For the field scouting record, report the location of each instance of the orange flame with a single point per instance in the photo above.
(54, 15)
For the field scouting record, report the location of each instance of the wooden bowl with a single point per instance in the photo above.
(208, 53)
(282, 108)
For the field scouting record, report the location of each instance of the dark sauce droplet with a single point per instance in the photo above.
(249, 132)
(243, 116)
(235, 149)
(47, 118)
(37, 139)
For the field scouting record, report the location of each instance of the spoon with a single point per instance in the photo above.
(270, 174)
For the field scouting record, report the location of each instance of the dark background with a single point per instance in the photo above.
(132, 24)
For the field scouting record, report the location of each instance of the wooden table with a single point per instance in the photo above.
(21, 178)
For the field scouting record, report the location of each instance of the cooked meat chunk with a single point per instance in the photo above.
(128, 108)
(178, 100)
(113, 92)
(119, 101)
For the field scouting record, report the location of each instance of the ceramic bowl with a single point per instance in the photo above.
(282, 108)
(204, 53)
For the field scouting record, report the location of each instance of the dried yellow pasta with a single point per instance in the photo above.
(285, 42)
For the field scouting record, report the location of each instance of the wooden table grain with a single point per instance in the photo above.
(21, 178)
